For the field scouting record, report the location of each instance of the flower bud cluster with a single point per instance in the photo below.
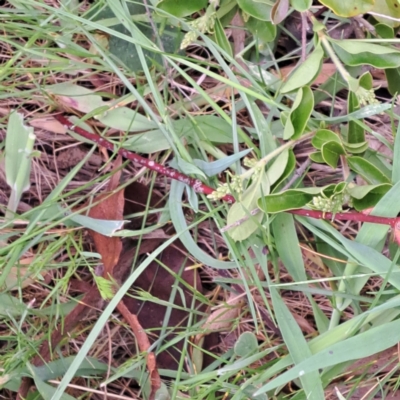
(234, 187)
(366, 96)
(202, 24)
(333, 204)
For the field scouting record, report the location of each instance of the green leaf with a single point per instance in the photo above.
(102, 226)
(216, 167)
(393, 80)
(181, 8)
(242, 209)
(322, 136)
(383, 30)
(299, 114)
(279, 11)
(201, 127)
(349, 8)
(301, 5)
(264, 31)
(306, 72)
(356, 132)
(19, 144)
(46, 390)
(288, 246)
(331, 152)
(367, 196)
(297, 346)
(127, 51)
(147, 142)
(360, 346)
(221, 39)
(290, 167)
(258, 9)
(357, 52)
(205, 127)
(317, 157)
(390, 8)
(367, 170)
(356, 148)
(246, 344)
(189, 168)
(275, 171)
(178, 219)
(288, 200)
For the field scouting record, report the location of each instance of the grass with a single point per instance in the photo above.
(287, 310)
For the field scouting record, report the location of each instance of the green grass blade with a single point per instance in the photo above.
(363, 345)
(297, 346)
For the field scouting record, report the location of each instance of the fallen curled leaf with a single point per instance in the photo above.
(109, 206)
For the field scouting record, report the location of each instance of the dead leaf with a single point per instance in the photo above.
(49, 124)
(110, 207)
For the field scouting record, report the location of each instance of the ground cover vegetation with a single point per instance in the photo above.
(199, 199)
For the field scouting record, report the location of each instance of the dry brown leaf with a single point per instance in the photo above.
(109, 207)
(49, 124)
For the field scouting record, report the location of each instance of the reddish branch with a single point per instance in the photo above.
(196, 184)
(350, 216)
(200, 187)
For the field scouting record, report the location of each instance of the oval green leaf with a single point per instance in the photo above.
(301, 5)
(246, 344)
(317, 157)
(349, 8)
(368, 171)
(306, 72)
(367, 196)
(390, 8)
(288, 200)
(265, 31)
(322, 136)
(331, 152)
(181, 8)
(357, 52)
(393, 80)
(299, 114)
(258, 9)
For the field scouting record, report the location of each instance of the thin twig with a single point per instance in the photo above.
(196, 184)
(304, 27)
(299, 171)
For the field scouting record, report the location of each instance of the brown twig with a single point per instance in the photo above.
(144, 345)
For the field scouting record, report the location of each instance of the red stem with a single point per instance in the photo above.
(196, 184)
(350, 216)
(200, 187)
